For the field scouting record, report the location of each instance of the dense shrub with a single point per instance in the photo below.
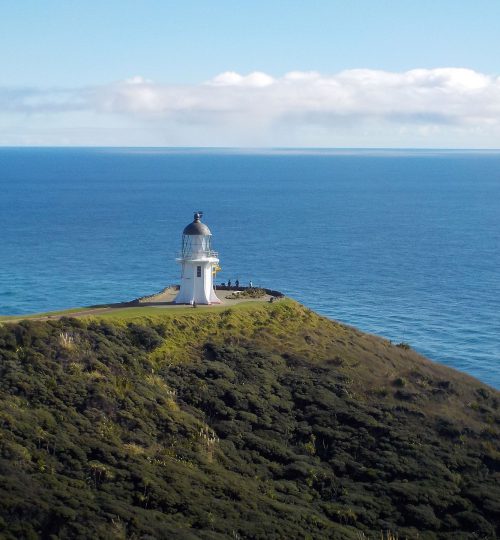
(103, 435)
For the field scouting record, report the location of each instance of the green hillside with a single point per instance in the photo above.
(264, 421)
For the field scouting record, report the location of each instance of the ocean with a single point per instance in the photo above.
(403, 244)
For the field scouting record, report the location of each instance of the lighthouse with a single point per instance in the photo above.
(198, 263)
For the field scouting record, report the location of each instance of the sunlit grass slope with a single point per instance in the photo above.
(258, 421)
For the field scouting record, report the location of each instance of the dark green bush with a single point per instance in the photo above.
(97, 440)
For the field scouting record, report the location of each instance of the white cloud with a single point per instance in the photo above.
(299, 108)
(442, 96)
(256, 79)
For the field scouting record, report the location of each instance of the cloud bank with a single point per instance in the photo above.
(298, 108)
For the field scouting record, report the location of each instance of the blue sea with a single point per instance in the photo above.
(404, 244)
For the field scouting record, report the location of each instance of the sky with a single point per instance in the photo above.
(288, 73)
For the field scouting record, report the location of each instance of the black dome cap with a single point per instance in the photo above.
(197, 228)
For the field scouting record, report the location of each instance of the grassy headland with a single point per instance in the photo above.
(258, 421)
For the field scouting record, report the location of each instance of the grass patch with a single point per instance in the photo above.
(159, 312)
(126, 313)
(7, 318)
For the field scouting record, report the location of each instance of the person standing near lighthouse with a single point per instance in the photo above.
(198, 262)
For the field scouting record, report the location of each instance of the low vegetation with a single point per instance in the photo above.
(264, 422)
(251, 292)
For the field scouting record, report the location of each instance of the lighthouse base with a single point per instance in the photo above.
(197, 282)
(183, 298)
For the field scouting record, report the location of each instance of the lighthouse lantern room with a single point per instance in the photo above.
(198, 263)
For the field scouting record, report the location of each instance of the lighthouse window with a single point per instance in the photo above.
(198, 271)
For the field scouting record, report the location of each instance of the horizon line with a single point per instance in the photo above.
(257, 148)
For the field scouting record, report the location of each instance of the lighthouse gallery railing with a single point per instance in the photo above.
(187, 254)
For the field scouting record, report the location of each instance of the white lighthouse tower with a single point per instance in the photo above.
(198, 263)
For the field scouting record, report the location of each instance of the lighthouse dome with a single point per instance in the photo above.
(197, 228)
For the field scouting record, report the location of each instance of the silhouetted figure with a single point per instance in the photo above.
(229, 283)
(237, 283)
